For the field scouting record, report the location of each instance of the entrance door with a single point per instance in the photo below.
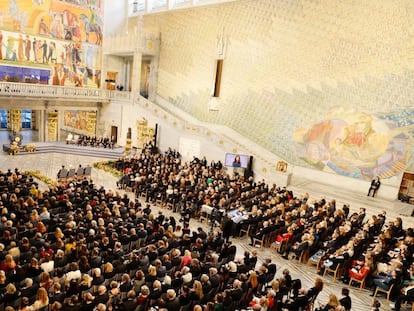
(114, 134)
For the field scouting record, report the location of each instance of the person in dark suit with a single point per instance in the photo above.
(345, 301)
(29, 290)
(172, 303)
(102, 296)
(375, 184)
(260, 232)
(57, 294)
(130, 304)
(227, 228)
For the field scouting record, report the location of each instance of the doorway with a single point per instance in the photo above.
(145, 78)
(114, 134)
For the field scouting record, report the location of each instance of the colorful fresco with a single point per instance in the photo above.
(84, 121)
(356, 144)
(64, 37)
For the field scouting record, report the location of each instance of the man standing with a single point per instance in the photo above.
(27, 48)
(375, 184)
(34, 43)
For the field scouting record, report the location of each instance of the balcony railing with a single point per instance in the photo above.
(10, 89)
(148, 43)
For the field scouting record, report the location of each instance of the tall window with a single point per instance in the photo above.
(3, 118)
(26, 119)
(137, 6)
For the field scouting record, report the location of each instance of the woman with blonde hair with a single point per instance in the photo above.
(45, 280)
(85, 283)
(332, 304)
(152, 275)
(253, 282)
(197, 291)
(42, 299)
(11, 295)
(59, 233)
(34, 217)
(108, 271)
(8, 264)
(3, 281)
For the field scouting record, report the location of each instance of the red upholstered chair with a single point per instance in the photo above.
(358, 276)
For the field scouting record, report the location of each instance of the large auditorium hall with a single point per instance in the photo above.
(206, 155)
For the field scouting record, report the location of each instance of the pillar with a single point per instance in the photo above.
(136, 73)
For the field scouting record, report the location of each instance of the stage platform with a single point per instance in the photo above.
(57, 147)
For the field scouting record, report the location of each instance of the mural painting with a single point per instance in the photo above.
(357, 144)
(62, 37)
(80, 121)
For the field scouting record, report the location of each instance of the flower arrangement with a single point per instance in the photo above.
(108, 166)
(31, 147)
(43, 178)
(14, 148)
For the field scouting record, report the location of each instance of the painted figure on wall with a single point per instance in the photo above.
(355, 144)
(91, 26)
(43, 28)
(27, 47)
(10, 50)
(1, 45)
(54, 21)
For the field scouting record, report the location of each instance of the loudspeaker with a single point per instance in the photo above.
(248, 172)
(155, 134)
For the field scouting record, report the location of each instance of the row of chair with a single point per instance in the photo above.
(70, 174)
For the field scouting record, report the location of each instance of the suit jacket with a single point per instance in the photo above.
(172, 305)
(129, 305)
(346, 302)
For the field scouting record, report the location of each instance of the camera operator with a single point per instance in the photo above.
(186, 212)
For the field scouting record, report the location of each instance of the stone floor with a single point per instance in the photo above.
(49, 164)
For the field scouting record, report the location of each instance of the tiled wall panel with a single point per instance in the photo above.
(291, 65)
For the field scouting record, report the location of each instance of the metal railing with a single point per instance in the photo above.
(11, 89)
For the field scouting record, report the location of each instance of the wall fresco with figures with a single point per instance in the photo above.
(83, 121)
(63, 38)
(358, 143)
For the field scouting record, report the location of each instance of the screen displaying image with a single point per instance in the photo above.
(236, 160)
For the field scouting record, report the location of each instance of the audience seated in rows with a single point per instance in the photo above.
(85, 230)
(311, 227)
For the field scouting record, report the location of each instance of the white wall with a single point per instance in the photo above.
(114, 16)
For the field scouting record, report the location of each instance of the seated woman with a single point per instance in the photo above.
(361, 268)
(283, 239)
(332, 304)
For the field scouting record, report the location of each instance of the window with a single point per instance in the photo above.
(3, 118)
(26, 119)
(137, 6)
(157, 4)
